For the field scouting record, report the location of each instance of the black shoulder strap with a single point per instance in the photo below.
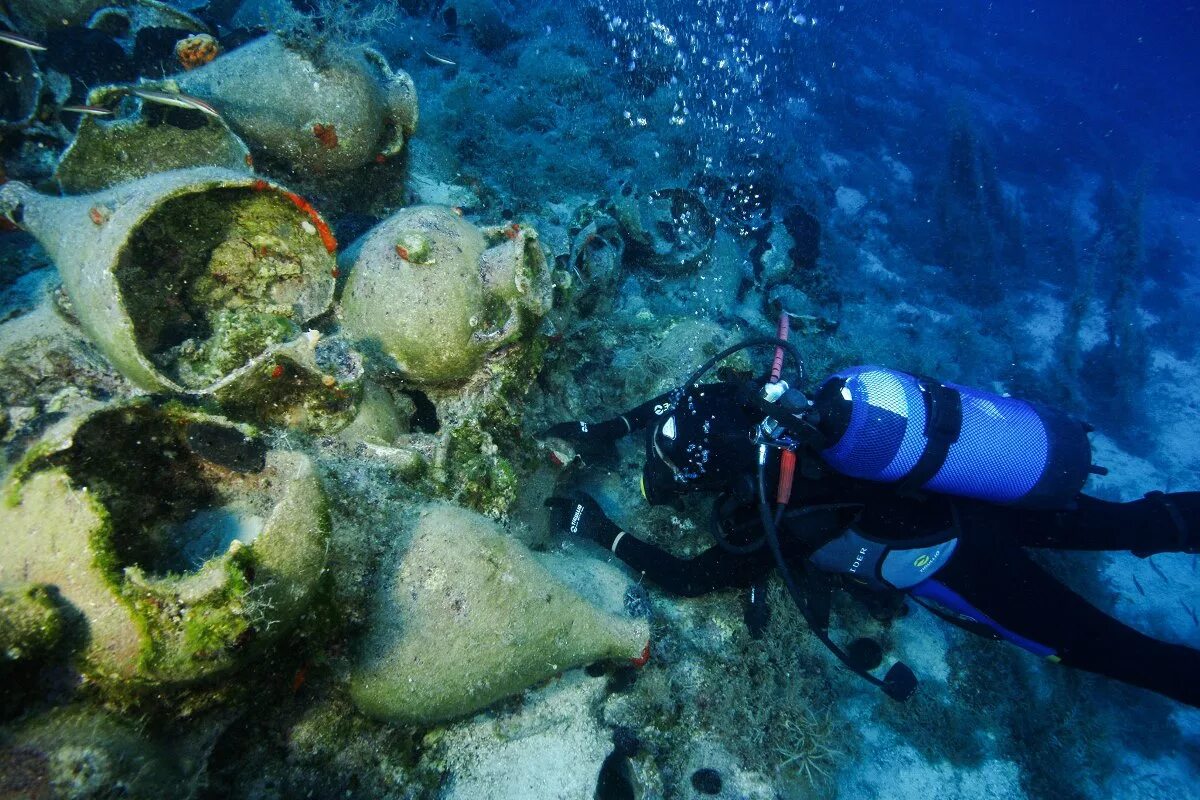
(943, 424)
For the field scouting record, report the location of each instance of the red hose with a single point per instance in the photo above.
(787, 458)
(787, 470)
(777, 365)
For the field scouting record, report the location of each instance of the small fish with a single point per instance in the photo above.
(90, 111)
(440, 60)
(1138, 584)
(177, 100)
(1158, 569)
(16, 40)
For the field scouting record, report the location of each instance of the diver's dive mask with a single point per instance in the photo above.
(704, 443)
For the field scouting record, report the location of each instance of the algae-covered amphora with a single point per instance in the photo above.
(141, 140)
(185, 279)
(181, 544)
(470, 616)
(433, 295)
(314, 113)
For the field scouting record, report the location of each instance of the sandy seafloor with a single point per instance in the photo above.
(846, 112)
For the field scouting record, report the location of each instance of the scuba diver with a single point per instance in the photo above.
(900, 485)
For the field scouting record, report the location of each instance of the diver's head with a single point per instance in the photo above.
(705, 443)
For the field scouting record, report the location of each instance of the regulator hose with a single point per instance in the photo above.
(900, 682)
(758, 341)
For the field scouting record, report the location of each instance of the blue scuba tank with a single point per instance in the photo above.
(886, 425)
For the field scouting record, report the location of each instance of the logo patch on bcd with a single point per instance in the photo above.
(922, 561)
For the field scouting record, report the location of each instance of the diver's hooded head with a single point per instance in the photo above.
(704, 443)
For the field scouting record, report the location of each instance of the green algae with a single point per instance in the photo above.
(105, 153)
(486, 452)
(285, 391)
(31, 624)
(117, 495)
(414, 247)
(238, 335)
(480, 477)
(210, 280)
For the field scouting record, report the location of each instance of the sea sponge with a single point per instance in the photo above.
(196, 51)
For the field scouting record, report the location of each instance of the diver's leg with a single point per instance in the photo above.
(1157, 523)
(1003, 582)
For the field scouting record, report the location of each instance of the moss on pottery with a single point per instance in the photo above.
(31, 624)
(313, 383)
(238, 335)
(479, 476)
(150, 265)
(236, 287)
(482, 450)
(152, 139)
(183, 544)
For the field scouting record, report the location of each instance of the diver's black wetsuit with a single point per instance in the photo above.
(989, 567)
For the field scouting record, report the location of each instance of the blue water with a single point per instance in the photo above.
(1001, 195)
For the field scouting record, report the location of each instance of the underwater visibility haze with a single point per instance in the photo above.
(474, 399)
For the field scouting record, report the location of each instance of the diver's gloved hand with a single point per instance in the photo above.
(589, 438)
(581, 515)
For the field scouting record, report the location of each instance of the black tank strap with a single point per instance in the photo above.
(943, 424)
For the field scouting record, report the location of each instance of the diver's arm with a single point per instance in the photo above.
(713, 569)
(598, 433)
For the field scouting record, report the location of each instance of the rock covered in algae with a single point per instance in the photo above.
(184, 278)
(434, 294)
(31, 624)
(185, 547)
(471, 617)
(80, 753)
(328, 112)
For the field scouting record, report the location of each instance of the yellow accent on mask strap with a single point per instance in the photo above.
(642, 484)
